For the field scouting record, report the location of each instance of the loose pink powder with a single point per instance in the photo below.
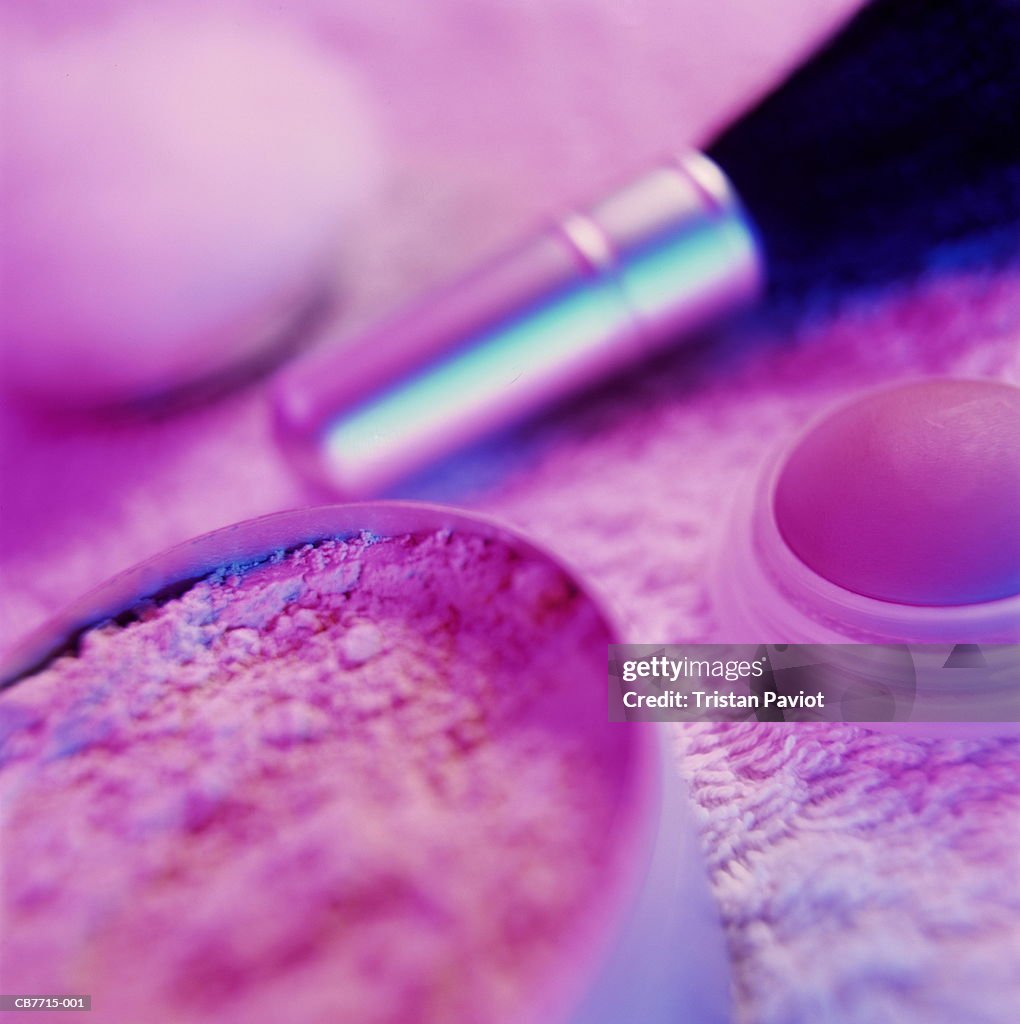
(362, 781)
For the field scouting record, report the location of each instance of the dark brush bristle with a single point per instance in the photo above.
(893, 151)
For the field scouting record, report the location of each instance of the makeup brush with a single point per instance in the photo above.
(897, 140)
(893, 152)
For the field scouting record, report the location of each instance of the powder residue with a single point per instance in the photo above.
(342, 785)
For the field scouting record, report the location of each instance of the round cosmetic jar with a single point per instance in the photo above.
(166, 241)
(764, 591)
(646, 945)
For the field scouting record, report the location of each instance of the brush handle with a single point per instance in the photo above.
(588, 296)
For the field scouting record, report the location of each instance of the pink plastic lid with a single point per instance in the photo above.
(910, 494)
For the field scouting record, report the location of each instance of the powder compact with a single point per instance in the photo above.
(890, 520)
(350, 762)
